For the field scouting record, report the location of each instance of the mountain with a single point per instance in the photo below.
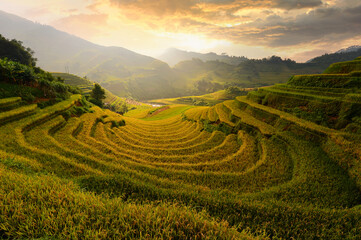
(354, 48)
(57, 50)
(117, 68)
(345, 54)
(172, 56)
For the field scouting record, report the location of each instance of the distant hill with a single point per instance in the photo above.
(172, 56)
(342, 55)
(349, 49)
(210, 76)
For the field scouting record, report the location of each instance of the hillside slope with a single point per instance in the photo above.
(123, 71)
(71, 52)
(37, 186)
(330, 99)
(188, 172)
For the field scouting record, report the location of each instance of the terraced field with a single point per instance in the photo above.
(237, 170)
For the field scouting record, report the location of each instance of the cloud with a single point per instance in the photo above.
(156, 8)
(296, 4)
(274, 24)
(319, 25)
(164, 7)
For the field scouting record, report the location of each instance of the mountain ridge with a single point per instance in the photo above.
(353, 48)
(27, 31)
(173, 56)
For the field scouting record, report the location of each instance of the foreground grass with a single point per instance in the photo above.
(41, 206)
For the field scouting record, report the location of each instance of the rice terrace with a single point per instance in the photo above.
(113, 159)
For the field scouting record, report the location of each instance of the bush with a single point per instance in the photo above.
(96, 102)
(16, 73)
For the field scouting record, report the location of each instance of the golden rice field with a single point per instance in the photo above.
(237, 170)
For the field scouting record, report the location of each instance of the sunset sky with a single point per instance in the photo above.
(299, 29)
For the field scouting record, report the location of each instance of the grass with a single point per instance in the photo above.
(344, 67)
(144, 161)
(84, 84)
(9, 101)
(114, 218)
(168, 113)
(338, 75)
(330, 100)
(209, 99)
(139, 112)
(16, 113)
(238, 170)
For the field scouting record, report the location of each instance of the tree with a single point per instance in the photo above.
(123, 108)
(97, 95)
(15, 51)
(233, 90)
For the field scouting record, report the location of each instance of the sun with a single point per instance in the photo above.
(195, 43)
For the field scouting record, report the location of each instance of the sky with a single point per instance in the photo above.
(296, 29)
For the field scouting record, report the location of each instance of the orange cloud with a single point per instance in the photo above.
(277, 23)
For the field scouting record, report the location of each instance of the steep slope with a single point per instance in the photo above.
(331, 99)
(57, 50)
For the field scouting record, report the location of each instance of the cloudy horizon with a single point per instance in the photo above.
(297, 29)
